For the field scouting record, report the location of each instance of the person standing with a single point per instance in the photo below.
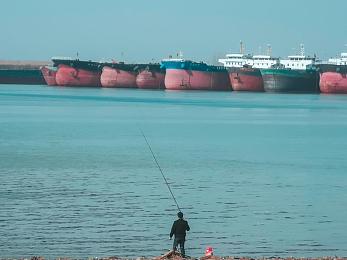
(179, 228)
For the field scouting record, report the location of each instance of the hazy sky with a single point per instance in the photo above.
(142, 30)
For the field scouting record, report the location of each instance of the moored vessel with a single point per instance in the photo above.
(19, 72)
(119, 75)
(246, 78)
(49, 73)
(151, 76)
(77, 73)
(184, 74)
(244, 70)
(333, 75)
(290, 81)
(297, 74)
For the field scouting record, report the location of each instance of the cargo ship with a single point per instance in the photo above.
(184, 74)
(244, 70)
(119, 75)
(297, 74)
(19, 72)
(49, 73)
(77, 73)
(151, 76)
(333, 75)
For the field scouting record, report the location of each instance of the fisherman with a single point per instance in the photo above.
(179, 228)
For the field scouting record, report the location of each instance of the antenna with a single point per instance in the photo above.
(302, 49)
(181, 54)
(242, 48)
(269, 49)
(259, 49)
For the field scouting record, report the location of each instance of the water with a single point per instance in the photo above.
(256, 174)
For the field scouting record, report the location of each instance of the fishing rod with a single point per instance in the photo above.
(161, 171)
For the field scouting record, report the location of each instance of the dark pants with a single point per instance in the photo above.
(180, 241)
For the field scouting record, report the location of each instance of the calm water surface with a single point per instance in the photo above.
(255, 174)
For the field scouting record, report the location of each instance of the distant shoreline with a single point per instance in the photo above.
(24, 62)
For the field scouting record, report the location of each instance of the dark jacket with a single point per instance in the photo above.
(179, 228)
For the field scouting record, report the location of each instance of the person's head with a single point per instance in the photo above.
(180, 215)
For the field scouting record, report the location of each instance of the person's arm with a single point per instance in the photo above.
(187, 228)
(173, 229)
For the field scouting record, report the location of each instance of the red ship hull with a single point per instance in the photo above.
(333, 82)
(147, 79)
(246, 79)
(178, 79)
(69, 76)
(49, 75)
(117, 78)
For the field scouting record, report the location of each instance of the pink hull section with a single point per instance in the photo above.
(116, 78)
(333, 82)
(69, 76)
(49, 76)
(242, 82)
(196, 80)
(150, 80)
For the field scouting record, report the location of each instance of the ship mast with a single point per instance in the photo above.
(302, 49)
(180, 55)
(269, 50)
(242, 48)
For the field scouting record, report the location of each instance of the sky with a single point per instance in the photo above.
(149, 30)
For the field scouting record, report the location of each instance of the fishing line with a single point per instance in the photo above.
(161, 171)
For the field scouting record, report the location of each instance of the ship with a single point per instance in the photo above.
(49, 73)
(184, 74)
(119, 75)
(21, 72)
(244, 69)
(151, 76)
(333, 75)
(77, 73)
(296, 74)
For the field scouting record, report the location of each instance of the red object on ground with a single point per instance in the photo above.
(49, 75)
(180, 79)
(209, 251)
(70, 76)
(147, 79)
(333, 82)
(246, 79)
(117, 78)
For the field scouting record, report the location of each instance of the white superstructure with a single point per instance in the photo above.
(263, 61)
(239, 60)
(235, 60)
(298, 62)
(339, 61)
